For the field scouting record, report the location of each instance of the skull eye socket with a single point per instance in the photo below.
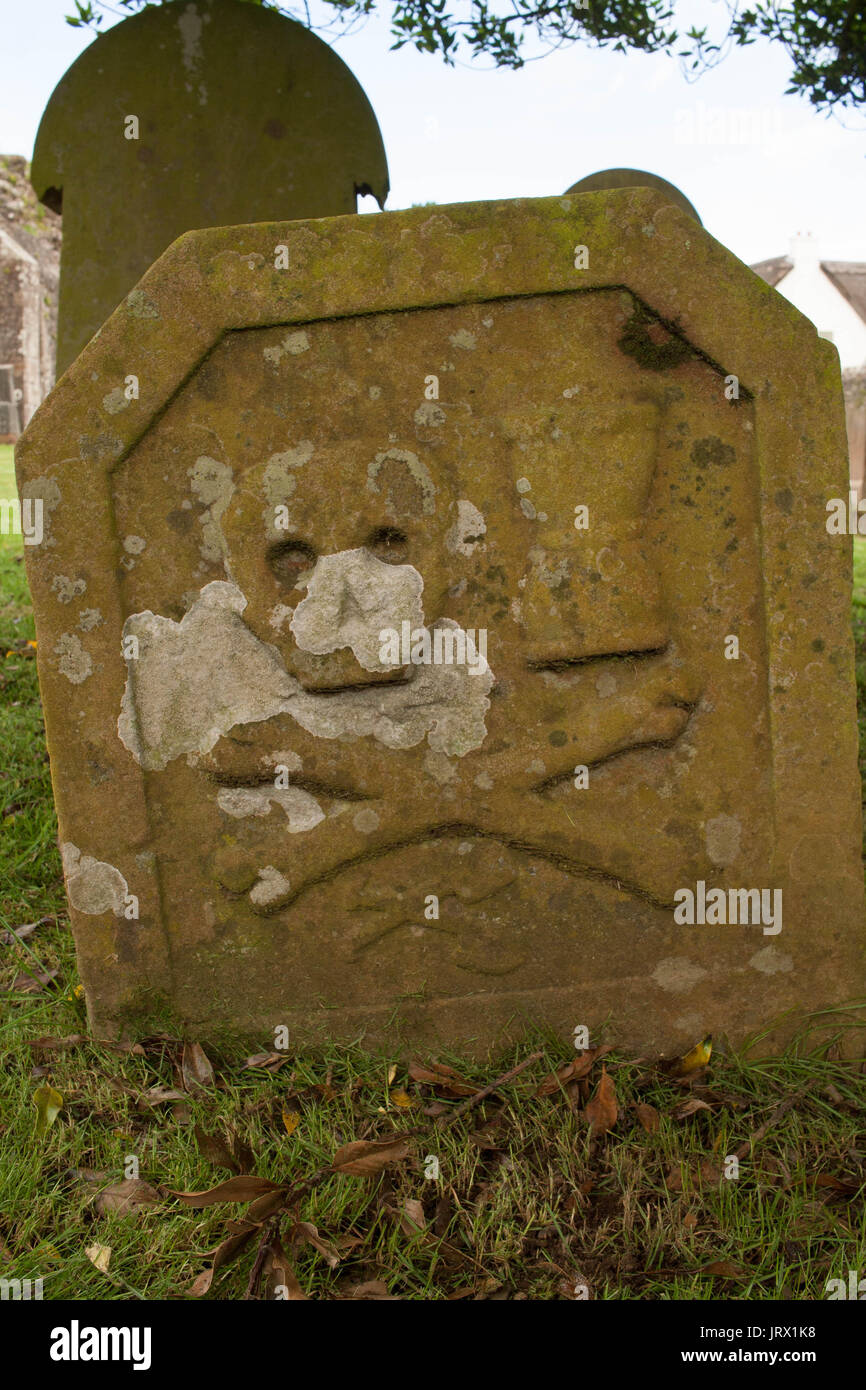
(389, 545)
(290, 561)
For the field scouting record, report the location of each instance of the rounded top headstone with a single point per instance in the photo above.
(196, 113)
(634, 178)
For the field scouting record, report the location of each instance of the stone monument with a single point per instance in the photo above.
(438, 629)
(198, 113)
(633, 178)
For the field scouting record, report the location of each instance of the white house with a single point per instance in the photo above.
(830, 293)
(833, 295)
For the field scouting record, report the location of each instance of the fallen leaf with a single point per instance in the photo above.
(402, 1099)
(243, 1154)
(392, 1072)
(690, 1107)
(195, 1068)
(291, 1120)
(50, 1044)
(25, 983)
(8, 938)
(648, 1116)
(268, 1061)
(412, 1219)
(225, 1252)
(245, 1188)
(280, 1280)
(266, 1205)
(846, 1185)
(125, 1196)
(100, 1256)
(602, 1111)
(444, 1078)
(214, 1148)
(723, 1269)
(697, 1057)
(160, 1095)
(372, 1289)
(305, 1230)
(49, 1104)
(573, 1070)
(366, 1156)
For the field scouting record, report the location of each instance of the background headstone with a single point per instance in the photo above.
(35, 231)
(239, 115)
(20, 321)
(633, 178)
(465, 419)
(10, 419)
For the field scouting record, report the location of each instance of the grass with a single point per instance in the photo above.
(8, 489)
(530, 1202)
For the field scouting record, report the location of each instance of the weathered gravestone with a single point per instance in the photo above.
(633, 178)
(199, 113)
(439, 629)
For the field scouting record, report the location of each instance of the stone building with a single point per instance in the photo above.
(29, 274)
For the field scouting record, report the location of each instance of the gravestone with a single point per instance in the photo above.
(198, 113)
(433, 637)
(633, 178)
(20, 322)
(10, 422)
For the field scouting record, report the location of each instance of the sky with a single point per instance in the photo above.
(758, 166)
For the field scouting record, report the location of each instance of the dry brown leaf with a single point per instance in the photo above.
(245, 1188)
(723, 1269)
(412, 1219)
(690, 1107)
(444, 1078)
(402, 1099)
(161, 1095)
(8, 938)
(195, 1068)
(214, 1148)
(372, 1289)
(366, 1156)
(126, 1196)
(847, 1185)
(225, 1252)
(280, 1281)
(602, 1111)
(305, 1230)
(573, 1070)
(56, 1044)
(100, 1256)
(30, 984)
(269, 1061)
(267, 1205)
(648, 1116)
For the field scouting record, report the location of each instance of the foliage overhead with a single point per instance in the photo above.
(825, 39)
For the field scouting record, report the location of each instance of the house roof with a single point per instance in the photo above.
(774, 269)
(849, 277)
